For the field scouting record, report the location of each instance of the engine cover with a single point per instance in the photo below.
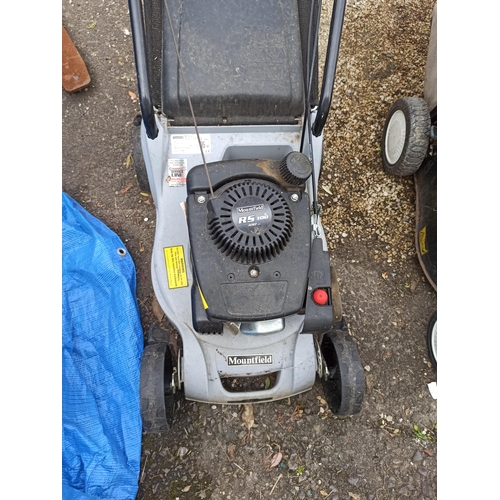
(250, 246)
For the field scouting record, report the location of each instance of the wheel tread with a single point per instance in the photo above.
(348, 400)
(418, 123)
(156, 400)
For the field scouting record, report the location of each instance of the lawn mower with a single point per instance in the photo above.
(409, 147)
(229, 144)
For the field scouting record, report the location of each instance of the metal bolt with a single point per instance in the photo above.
(253, 272)
(201, 199)
(294, 197)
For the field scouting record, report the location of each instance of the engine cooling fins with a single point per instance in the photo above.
(250, 221)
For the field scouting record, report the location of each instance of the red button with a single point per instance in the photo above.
(320, 297)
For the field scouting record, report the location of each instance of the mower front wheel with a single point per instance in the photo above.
(344, 382)
(156, 394)
(405, 138)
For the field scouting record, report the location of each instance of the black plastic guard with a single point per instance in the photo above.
(201, 323)
(318, 318)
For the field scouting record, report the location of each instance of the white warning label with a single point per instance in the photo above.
(188, 144)
(177, 169)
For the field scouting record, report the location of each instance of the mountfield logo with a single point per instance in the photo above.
(253, 208)
(254, 359)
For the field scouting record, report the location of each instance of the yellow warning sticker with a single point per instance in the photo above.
(176, 267)
(422, 240)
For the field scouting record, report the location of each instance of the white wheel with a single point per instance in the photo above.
(395, 140)
(405, 139)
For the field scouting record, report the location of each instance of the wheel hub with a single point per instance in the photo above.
(395, 138)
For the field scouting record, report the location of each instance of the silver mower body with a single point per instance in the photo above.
(242, 349)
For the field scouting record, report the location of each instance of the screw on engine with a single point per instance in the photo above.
(253, 272)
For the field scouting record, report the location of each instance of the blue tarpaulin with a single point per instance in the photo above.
(102, 345)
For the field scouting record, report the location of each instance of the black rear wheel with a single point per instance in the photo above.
(344, 382)
(157, 396)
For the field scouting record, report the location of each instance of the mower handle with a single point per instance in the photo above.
(332, 55)
(138, 38)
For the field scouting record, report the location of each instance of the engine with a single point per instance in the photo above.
(251, 241)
